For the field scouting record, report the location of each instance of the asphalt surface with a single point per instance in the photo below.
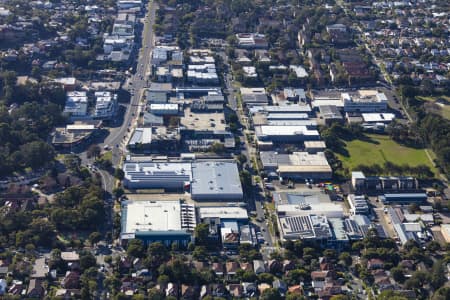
(118, 136)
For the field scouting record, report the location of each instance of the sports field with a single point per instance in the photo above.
(379, 149)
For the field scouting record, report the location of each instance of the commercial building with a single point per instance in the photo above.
(216, 181)
(201, 129)
(168, 222)
(146, 175)
(379, 184)
(375, 118)
(305, 203)
(202, 74)
(229, 223)
(72, 135)
(315, 146)
(308, 227)
(164, 109)
(252, 41)
(158, 92)
(254, 96)
(76, 104)
(105, 105)
(296, 166)
(223, 213)
(358, 204)
(404, 198)
(285, 134)
(141, 138)
(445, 230)
(329, 114)
(364, 101)
(294, 95)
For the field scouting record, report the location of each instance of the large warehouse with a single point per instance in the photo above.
(215, 181)
(297, 166)
(163, 221)
(147, 175)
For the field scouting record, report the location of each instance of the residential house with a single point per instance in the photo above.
(375, 263)
(35, 289)
(259, 267)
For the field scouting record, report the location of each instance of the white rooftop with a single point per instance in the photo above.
(151, 216)
(286, 130)
(223, 212)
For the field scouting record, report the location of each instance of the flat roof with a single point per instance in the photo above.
(308, 159)
(148, 216)
(252, 91)
(203, 121)
(378, 117)
(157, 172)
(223, 212)
(303, 168)
(80, 127)
(315, 144)
(141, 136)
(280, 130)
(216, 179)
(306, 227)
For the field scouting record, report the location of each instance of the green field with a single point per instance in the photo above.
(379, 149)
(444, 109)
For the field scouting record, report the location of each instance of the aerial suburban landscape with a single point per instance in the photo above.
(225, 149)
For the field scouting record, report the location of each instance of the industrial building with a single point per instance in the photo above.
(306, 202)
(168, 222)
(358, 204)
(364, 101)
(308, 227)
(215, 181)
(158, 92)
(141, 138)
(403, 198)
(254, 96)
(315, 146)
(285, 134)
(227, 223)
(379, 184)
(296, 166)
(164, 109)
(147, 175)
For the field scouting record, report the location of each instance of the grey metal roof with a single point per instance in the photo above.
(215, 179)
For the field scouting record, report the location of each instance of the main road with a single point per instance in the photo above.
(138, 82)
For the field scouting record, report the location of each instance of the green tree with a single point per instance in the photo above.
(201, 234)
(87, 260)
(135, 248)
(437, 276)
(119, 174)
(271, 294)
(95, 237)
(398, 274)
(346, 258)
(157, 254)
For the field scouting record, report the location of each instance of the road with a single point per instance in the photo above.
(117, 138)
(257, 199)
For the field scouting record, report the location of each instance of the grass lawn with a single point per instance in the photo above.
(379, 149)
(444, 108)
